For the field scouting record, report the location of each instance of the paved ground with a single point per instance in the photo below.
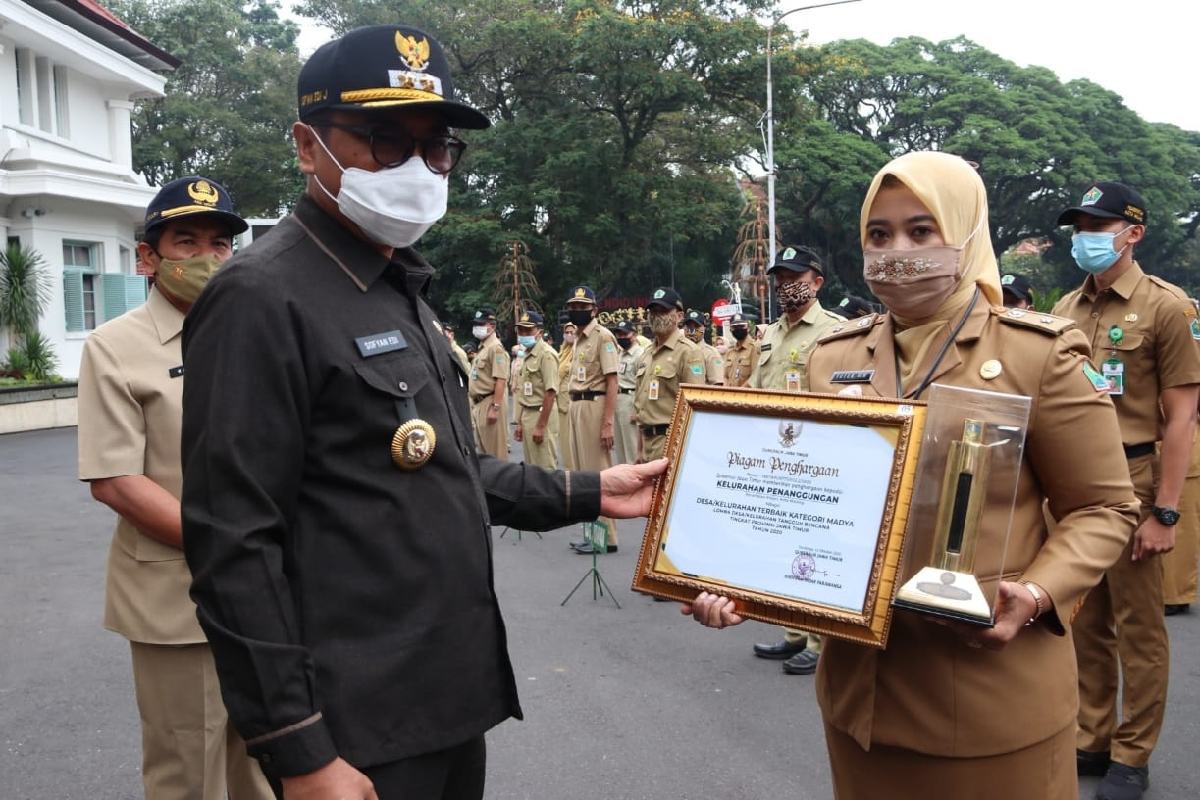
(620, 704)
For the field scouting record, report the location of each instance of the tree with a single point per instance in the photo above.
(229, 107)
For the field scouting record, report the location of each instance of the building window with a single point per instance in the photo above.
(24, 85)
(81, 262)
(126, 260)
(61, 106)
(44, 78)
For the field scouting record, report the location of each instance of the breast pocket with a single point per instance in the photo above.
(533, 365)
(398, 379)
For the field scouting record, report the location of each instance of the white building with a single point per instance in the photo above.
(69, 73)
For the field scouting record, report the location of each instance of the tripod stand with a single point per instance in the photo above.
(517, 531)
(598, 583)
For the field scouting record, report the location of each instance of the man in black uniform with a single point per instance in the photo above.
(336, 515)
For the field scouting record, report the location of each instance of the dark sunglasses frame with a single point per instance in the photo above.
(407, 145)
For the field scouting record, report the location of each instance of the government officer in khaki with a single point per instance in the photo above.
(536, 390)
(783, 366)
(489, 375)
(950, 710)
(1143, 333)
(627, 437)
(566, 354)
(714, 362)
(130, 416)
(742, 358)
(593, 388)
(669, 362)
(1180, 565)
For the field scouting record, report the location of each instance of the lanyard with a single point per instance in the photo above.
(916, 393)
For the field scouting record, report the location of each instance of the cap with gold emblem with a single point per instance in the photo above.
(189, 197)
(382, 67)
(530, 319)
(582, 294)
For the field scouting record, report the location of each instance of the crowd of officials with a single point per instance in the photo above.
(291, 511)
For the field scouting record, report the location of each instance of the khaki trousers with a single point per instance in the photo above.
(653, 446)
(1120, 635)
(795, 636)
(585, 418)
(190, 751)
(491, 437)
(546, 453)
(625, 438)
(1045, 770)
(564, 434)
(1179, 565)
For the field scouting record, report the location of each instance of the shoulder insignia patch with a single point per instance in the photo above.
(843, 330)
(609, 347)
(697, 369)
(1098, 381)
(1195, 328)
(1046, 323)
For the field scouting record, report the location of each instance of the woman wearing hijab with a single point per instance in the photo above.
(950, 710)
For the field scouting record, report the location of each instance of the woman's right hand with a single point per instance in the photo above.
(712, 611)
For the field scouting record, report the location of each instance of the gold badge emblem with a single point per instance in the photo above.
(1131, 317)
(990, 369)
(413, 53)
(413, 444)
(203, 193)
(581, 293)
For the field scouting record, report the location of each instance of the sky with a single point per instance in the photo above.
(1140, 50)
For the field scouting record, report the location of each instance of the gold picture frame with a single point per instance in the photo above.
(703, 413)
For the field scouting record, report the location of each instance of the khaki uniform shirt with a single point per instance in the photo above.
(595, 357)
(461, 356)
(539, 374)
(565, 357)
(491, 363)
(785, 348)
(627, 366)
(1158, 348)
(714, 364)
(927, 691)
(130, 418)
(740, 362)
(660, 372)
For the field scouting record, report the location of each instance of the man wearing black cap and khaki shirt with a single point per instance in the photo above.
(670, 361)
(592, 413)
(626, 434)
(535, 391)
(742, 358)
(337, 517)
(783, 365)
(714, 363)
(489, 377)
(1017, 291)
(130, 414)
(1143, 332)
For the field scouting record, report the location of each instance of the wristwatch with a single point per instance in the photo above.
(1167, 516)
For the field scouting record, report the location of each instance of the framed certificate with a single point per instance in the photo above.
(792, 505)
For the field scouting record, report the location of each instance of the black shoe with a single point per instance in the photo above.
(577, 545)
(587, 549)
(1090, 764)
(803, 663)
(780, 650)
(1175, 608)
(1123, 783)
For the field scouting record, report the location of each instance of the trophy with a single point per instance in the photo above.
(948, 586)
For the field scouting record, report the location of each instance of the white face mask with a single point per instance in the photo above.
(481, 332)
(393, 206)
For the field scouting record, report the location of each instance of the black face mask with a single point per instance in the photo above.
(625, 343)
(580, 316)
(741, 333)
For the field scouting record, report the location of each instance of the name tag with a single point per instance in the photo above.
(375, 344)
(765, 347)
(176, 372)
(853, 376)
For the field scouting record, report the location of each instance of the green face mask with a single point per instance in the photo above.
(185, 278)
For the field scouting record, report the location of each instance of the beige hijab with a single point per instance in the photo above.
(953, 192)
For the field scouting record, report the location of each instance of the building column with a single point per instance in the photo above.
(119, 133)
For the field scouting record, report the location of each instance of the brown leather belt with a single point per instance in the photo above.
(625, 391)
(586, 395)
(479, 398)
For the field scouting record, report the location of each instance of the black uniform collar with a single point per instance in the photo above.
(361, 262)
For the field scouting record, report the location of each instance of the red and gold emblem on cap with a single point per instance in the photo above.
(415, 54)
(203, 193)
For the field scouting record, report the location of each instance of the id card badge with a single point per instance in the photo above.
(527, 389)
(792, 380)
(621, 367)
(653, 395)
(581, 374)
(1114, 373)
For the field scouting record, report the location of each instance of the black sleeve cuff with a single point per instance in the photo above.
(296, 750)
(583, 495)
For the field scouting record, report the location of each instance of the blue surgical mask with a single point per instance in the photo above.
(527, 342)
(1094, 252)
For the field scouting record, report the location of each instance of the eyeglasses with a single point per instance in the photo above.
(440, 153)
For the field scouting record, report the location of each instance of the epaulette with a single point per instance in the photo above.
(1170, 287)
(1036, 320)
(852, 327)
(833, 315)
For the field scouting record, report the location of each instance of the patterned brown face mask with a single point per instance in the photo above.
(912, 283)
(794, 295)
